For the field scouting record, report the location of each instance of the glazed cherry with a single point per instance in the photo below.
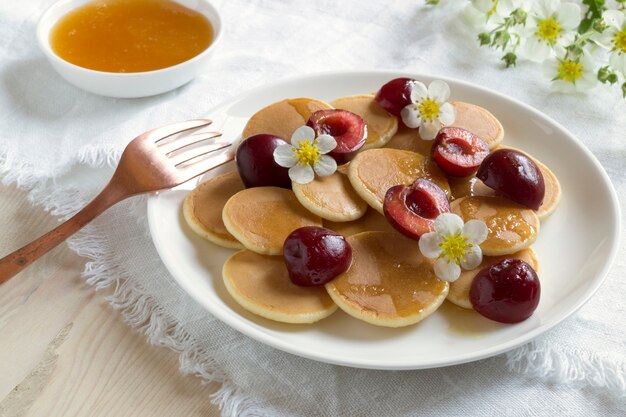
(507, 291)
(514, 176)
(458, 152)
(315, 255)
(347, 128)
(395, 95)
(256, 165)
(412, 209)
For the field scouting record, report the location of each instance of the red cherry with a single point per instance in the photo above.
(412, 209)
(395, 95)
(256, 165)
(347, 128)
(507, 291)
(458, 152)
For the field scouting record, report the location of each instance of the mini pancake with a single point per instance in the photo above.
(389, 283)
(460, 289)
(371, 221)
(374, 171)
(261, 218)
(479, 121)
(331, 197)
(203, 206)
(410, 140)
(553, 190)
(284, 117)
(261, 285)
(512, 227)
(381, 126)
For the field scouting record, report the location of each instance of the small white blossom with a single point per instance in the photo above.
(455, 245)
(429, 110)
(570, 76)
(614, 38)
(306, 155)
(552, 24)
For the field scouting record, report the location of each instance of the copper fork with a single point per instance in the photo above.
(149, 163)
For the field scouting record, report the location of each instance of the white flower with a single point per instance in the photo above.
(552, 24)
(429, 110)
(614, 38)
(306, 156)
(478, 12)
(570, 76)
(454, 244)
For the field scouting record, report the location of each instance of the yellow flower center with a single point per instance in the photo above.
(569, 71)
(454, 248)
(549, 30)
(429, 109)
(619, 42)
(307, 153)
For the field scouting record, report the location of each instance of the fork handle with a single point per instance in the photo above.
(12, 264)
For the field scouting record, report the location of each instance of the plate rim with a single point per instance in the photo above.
(277, 343)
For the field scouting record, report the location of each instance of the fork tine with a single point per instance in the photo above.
(197, 152)
(204, 165)
(185, 141)
(166, 131)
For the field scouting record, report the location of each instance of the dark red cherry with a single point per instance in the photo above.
(256, 165)
(347, 128)
(515, 176)
(315, 255)
(458, 152)
(395, 95)
(412, 209)
(507, 291)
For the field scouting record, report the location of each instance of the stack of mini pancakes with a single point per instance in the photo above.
(389, 283)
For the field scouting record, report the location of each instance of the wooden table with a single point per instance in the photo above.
(65, 352)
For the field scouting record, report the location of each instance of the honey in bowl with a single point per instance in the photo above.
(130, 35)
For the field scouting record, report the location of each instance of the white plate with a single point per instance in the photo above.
(575, 247)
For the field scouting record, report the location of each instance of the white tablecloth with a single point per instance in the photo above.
(61, 143)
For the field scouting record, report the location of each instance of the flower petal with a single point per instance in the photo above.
(428, 131)
(448, 224)
(302, 174)
(418, 91)
(411, 116)
(439, 90)
(568, 15)
(429, 244)
(447, 114)
(545, 8)
(283, 155)
(618, 62)
(447, 271)
(472, 259)
(615, 19)
(536, 50)
(326, 143)
(302, 133)
(325, 166)
(475, 231)
(483, 5)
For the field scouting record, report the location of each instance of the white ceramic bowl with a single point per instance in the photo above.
(126, 85)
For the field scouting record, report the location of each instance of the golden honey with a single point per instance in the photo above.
(130, 35)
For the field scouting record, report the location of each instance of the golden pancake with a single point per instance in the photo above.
(374, 171)
(261, 218)
(371, 221)
(331, 198)
(381, 126)
(284, 117)
(479, 121)
(389, 283)
(261, 285)
(203, 206)
(460, 289)
(410, 140)
(512, 227)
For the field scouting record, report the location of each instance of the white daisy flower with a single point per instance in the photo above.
(454, 244)
(570, 76)
(614, 38)
(552, 24)
(429, 110)
(306, 156)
